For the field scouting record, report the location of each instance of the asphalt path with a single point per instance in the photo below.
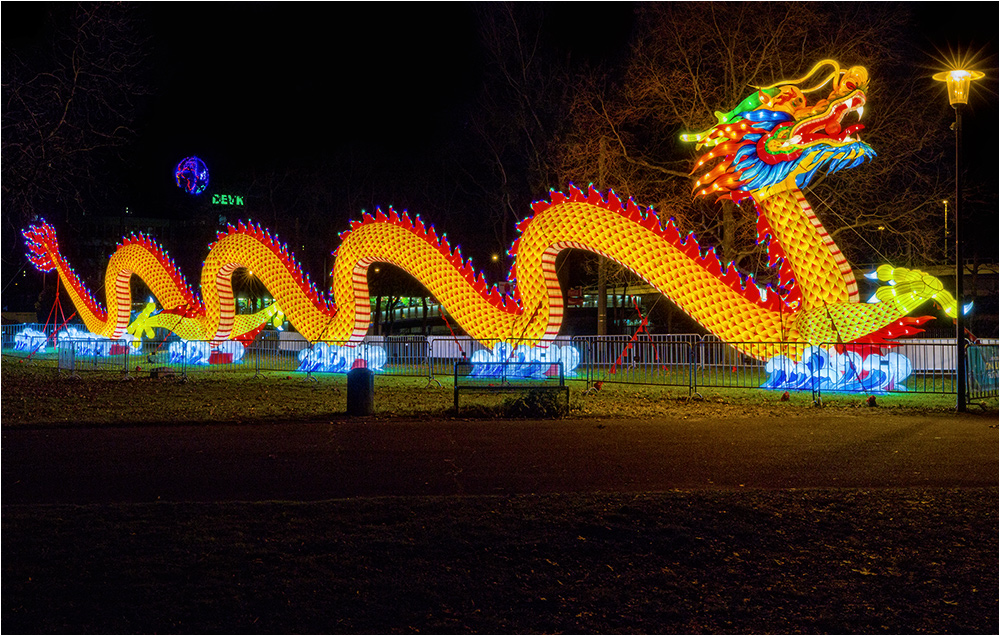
(376, 457)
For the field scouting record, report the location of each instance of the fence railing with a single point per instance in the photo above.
(656, 359)
(981, 365)
(680, 360)
(76, 357)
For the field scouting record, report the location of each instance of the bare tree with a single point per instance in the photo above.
(522, 101)
(68, 106)
(690, 59)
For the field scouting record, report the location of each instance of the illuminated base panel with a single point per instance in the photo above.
(820, 369)
(833, 372)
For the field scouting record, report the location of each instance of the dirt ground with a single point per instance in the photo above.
(363, 457)
(705, 521)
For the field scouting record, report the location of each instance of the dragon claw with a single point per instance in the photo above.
(908, 286)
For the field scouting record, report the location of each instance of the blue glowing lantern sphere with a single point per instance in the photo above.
(192, 175)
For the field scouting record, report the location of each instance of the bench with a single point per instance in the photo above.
(509, 377)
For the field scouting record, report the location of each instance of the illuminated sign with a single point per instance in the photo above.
(227, 199)
(191, 174)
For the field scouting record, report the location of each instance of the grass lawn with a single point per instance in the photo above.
(38, 394)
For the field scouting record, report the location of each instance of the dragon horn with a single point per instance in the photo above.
(752, 102)
(835, 76)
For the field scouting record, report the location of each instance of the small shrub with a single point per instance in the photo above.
(534, 403)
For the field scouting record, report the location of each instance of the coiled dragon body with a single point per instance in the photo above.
(767, 149)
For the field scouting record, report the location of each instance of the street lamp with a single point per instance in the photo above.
(959, 82)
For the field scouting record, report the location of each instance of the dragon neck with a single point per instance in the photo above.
(87, 308)
(822, 275)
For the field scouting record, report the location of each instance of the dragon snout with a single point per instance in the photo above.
(828, 125)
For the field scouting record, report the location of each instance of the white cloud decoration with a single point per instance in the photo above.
(86, 343)
(506, 360)
(330, 358)
(828, 370)
(30, 340)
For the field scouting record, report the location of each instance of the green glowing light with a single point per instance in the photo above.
(227, 199)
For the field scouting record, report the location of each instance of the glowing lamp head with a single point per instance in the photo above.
(959, 82)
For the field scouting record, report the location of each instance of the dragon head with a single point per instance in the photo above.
(776, 140)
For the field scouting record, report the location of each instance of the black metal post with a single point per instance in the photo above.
(960, 371)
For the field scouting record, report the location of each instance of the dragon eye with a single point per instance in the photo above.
(851, 86)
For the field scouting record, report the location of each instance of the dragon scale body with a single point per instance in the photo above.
(768, 151)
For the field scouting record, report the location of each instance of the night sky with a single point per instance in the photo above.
(250, 85)
(255, 86)
(245, 85)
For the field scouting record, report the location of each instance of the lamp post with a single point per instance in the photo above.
(945, 228)
(959, 82)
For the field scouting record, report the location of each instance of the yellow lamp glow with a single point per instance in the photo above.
(958, 81)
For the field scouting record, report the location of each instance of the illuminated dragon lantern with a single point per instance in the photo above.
(767, 149)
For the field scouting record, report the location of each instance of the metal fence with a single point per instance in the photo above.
(9, 336)
(75, 357)
(679, 360)
(658, 359)
(981, 361)
(719, 364)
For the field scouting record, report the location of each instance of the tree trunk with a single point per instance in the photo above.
(602, 296)
(728, 232)
(602, 263)
(391, 308)
(423, 301)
